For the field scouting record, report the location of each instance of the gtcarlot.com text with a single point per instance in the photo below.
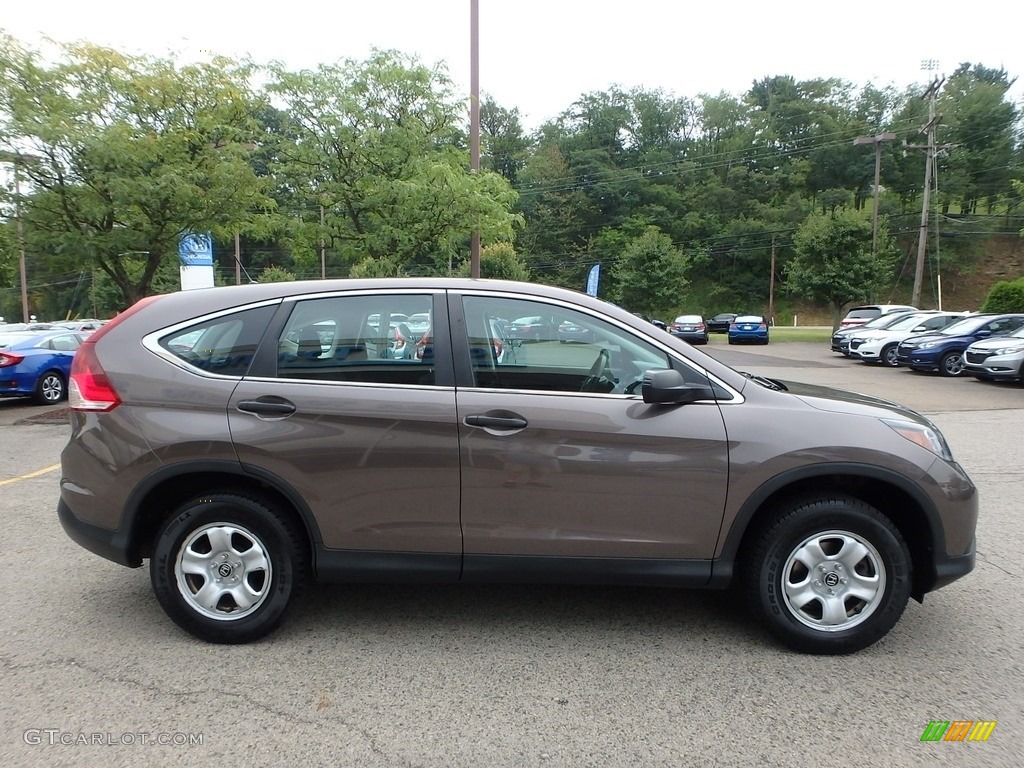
(50, 737)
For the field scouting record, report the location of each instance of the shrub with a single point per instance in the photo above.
(1005, 296)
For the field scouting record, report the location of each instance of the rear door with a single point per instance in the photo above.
(367, 440)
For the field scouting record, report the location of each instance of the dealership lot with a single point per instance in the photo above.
(95, 674)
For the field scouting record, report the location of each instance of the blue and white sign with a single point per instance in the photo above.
(592, 279)
(196, 253)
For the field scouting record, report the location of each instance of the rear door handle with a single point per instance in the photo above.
(267, 407)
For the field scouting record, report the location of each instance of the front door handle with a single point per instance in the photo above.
(496, 422)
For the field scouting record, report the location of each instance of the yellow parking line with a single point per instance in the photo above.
(30, 475)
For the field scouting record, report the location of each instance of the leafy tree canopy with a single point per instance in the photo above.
(125, 154)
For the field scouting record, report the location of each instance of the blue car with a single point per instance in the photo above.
(752, 328)
(37, 364)
(943, 350)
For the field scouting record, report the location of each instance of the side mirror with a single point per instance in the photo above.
(667, 386)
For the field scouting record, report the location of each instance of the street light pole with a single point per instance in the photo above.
(474, 121)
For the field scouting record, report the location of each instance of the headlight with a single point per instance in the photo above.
(869, 337)
(928, 344)
(1008, 350)
(927, 437)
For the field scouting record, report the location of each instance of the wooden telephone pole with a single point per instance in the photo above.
(929, 164)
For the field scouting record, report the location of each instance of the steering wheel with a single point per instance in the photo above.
(597, 379)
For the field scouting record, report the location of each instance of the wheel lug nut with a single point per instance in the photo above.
(821, 568)
(831, 591)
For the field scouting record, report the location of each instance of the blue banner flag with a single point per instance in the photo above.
(595, 275)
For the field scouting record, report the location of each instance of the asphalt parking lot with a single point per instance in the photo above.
(94, 674)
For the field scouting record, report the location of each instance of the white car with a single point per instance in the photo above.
(879, 345)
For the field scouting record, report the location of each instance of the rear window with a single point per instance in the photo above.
(863, 314)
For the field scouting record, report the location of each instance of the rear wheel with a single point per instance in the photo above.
(829, 575)
(50, 388)
(226, 567)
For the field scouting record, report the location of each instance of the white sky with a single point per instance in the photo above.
(541, 55)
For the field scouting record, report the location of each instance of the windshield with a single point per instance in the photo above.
(903, 323)
(965, 326)
(885, 321)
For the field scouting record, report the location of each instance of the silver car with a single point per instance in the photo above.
(1000, 358)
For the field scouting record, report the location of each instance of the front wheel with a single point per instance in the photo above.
(889, 356)
(226, 567)
(829, 575)
(952, 364)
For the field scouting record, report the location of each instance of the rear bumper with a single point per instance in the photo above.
(111, 544)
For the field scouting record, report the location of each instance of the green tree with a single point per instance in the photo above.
(498, 261)
(378, 145)
(504, 144)
(651, 274)
(833, 263)
(276, 275)
(127, 154)
(982, 125)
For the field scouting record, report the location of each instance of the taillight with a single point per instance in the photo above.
(9, 358)
(90, 389)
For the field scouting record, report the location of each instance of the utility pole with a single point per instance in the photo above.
(238, 259)
(877, 140)
(922, 242)
(323, 251)
(771, 287)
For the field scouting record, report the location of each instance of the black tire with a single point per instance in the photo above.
(952, 364)
(209, 532)
(888, 356)
(831, 537)
(50, 389)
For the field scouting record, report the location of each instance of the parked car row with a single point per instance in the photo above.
(988, 346)
(35, 358)
(739, 328)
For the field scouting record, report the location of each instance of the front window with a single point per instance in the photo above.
(575, 351)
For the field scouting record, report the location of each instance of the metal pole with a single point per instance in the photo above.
(238, 260)
(323, 253)
(474, 120)
(21, 245)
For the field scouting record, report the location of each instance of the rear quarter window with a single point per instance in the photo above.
(224, 345)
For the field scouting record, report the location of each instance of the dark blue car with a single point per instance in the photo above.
(37, 364)
(943, 350)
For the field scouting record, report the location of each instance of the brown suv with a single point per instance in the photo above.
(246, 438)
